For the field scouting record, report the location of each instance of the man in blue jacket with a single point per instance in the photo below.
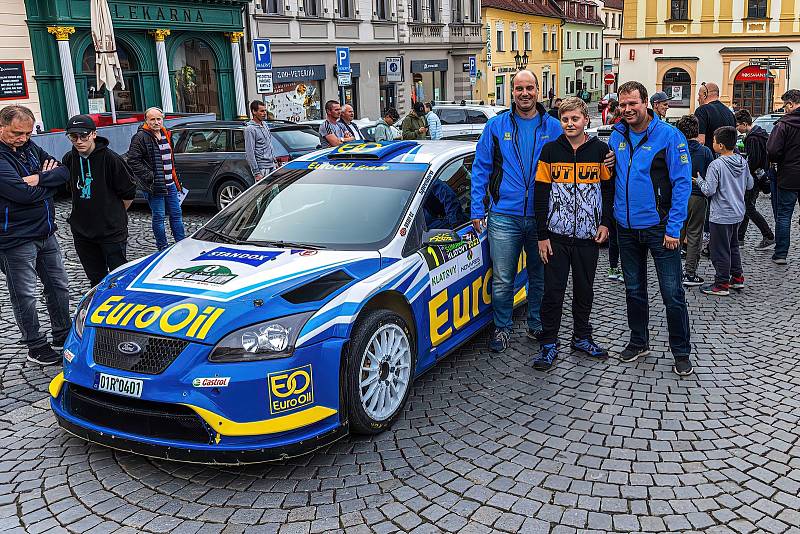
(653, 184)
(505, 161)
(29, 178)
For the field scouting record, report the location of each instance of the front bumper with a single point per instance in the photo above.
(263, 413)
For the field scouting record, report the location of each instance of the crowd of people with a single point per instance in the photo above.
(556, 193)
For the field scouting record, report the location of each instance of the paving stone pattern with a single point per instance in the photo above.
(486, 443)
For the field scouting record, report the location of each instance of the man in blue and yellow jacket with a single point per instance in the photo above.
(505, 163)
(653, 184)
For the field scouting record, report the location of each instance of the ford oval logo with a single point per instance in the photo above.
(129, 347)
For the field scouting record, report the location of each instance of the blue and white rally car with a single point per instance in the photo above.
(303, 309)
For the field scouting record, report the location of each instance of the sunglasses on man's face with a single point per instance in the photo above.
(74, 137)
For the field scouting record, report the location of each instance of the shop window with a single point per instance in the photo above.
(678, 84)
(312, 8)
(757, 9)
(295, 101)
(679, 9)
(382, 10)
(271, 7)
(429, 86)
(124, 99)
(196, 89)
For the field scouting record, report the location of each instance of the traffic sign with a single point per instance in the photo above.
(262, 54)
(345, 79)
(473, 70)
(343, 60)
(609, 78)
(394, 69)
(264, 82)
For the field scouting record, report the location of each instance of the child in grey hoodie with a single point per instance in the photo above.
(725, 183)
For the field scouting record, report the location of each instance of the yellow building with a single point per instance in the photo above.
(675, 45)
(518, 28)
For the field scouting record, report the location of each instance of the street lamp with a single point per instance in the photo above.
(521, 61)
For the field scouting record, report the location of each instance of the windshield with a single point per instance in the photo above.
(766, 122)
(343, 208)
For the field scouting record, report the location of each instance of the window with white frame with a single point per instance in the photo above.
(458, 11)
(312, 8)
(271, 7)
(569, 40)
(554, 41)
(416, 10)
(433, 10)
(616, 50)
(527, 38)
(346, 10)
(545, 39)
(608, 49)
(475, 12)
(382, 10)
(578, 40)
(499, 41)
(514, 47)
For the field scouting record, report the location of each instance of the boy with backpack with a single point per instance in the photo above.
(726, 182)
(755, 147)
(573, 199)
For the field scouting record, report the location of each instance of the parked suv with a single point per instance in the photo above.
(465, 122)
(211, 161)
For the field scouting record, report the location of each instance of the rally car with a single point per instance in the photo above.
(302, 310)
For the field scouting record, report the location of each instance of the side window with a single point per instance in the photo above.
(452, 115)
(446, 204)
(476, 117)
(202, 141)
(238, 140)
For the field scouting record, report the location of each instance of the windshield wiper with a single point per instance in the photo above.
(283, 244)
(228, 238)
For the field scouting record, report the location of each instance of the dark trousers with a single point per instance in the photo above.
(613, 246)
(22, 265)
(99, 259)
(633, 248)
(724, 249)
(582, 259)
(786, 199)
(752, 214)
(693, 232)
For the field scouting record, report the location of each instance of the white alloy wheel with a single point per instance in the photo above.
(385, 372)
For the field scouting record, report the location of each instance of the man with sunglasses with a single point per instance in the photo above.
(711, 114)
(102, 189)
(29, 179)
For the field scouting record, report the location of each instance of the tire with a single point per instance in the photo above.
(375, 329)
(226, 192)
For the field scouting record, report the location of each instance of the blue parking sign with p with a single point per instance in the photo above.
(343, 59)
(262, 54)
(473, 66)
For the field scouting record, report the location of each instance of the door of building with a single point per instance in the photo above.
(749, 88)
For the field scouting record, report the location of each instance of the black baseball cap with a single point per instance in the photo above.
(81, 124)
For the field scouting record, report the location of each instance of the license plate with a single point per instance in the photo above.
(130, 387)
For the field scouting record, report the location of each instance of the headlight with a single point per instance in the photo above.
(262, 341)
(83, 311)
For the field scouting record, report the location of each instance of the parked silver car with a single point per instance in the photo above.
(465, 122)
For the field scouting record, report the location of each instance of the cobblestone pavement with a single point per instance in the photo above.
(486, 444)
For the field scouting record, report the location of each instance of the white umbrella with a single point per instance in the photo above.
(109, 72)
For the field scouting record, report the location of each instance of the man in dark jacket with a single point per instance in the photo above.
(29, 179)
(755, 146)
(150, 157)
(783, 148)
(102, 190)
(692, 232)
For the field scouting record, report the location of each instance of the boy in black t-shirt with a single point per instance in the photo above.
(573, 199)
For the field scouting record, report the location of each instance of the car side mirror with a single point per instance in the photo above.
(440, 237)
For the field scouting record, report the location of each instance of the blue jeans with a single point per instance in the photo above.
(786, 200)
(161, 206)
(21, 265)
(508, 235)
(633, 248)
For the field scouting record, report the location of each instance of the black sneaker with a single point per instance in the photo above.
(588, 346)
(534, 334)
(499, 342)
(44, 355)
(779, 261)
(683, 367)
(692, 280)
(766, 244)
(632, 353)
(58, 344)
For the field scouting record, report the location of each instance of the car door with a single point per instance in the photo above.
(454, 123)
(458, 298)
(477, 120)
(198, 157)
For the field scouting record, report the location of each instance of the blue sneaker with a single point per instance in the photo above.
(499, 342)
(546, 357)
(590, 347)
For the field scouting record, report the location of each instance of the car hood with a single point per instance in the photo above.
(201, 291)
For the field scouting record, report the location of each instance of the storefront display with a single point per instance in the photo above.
(297, 93)
(428, 80)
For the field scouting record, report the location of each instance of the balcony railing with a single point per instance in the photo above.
(425, 31)
(466, 33)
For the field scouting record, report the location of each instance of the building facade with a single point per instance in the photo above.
(17, 84)
(611, 15)
(581, 54)
(676, 46)
(180, 55)
(519, 34)
(434, 40)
